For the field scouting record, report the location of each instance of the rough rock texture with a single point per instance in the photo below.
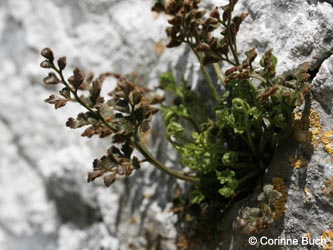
(306, 170)
(297, 31)
(323, 84)
(45, 202)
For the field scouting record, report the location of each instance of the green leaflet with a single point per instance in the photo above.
(230, 158)
(174, 129)
(264, 61)
(174, 112)
(242, 134)
(196, 196)
(201, 155)
(229, 182)
(168, 83)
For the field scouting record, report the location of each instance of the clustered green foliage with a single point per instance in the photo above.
(227, 142)
(236, 141)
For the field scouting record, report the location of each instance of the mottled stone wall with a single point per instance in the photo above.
(45, 202)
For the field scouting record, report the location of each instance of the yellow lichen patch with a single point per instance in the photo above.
(308, 195)
(298, 162)
(315, 127)
(308, 235)
(328, 186)
(327, 140)
(279, 204)
(328, 236)
(298, 116)
(307, 128)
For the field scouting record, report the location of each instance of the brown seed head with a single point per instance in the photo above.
(136, 162)
(46, 64)
(202, 47)
(137, 97)
(62, 62)
(47, 53)
(215, 13)
(77, 78)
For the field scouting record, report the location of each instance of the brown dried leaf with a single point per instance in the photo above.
(232, 70)
(224, 49)
(128, 170)
(200, 14)
(57, 101)
(136, 97)
(211, 21)
(104, 132)
(176, 21)
(158, 7)
(144, 127)
(105, 164)
(125, 86)
(65, 92)
(95, 129)
(226, 13)
(232, 3)
(46, 64)
(62, 62)
(202, 47)
(90, 131)
(173, 43)
(47, 53)
(77, 78)
(136, 162)
(95, 91)
(109, 179)
(93, 175)
(173, 6)
(51, 79)
(250, 56)
(237, 21)
(267, 93)
(86, 84)
(157, 99)
(215, 13)
(81, 120)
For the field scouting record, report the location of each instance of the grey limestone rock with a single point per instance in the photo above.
(45, 201)
(323, 84)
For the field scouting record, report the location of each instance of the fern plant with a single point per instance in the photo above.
(227, 143)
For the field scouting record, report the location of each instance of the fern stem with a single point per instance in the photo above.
(219, 73)
(172, 172)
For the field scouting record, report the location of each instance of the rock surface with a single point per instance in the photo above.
(45, 201)
(323, 84)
